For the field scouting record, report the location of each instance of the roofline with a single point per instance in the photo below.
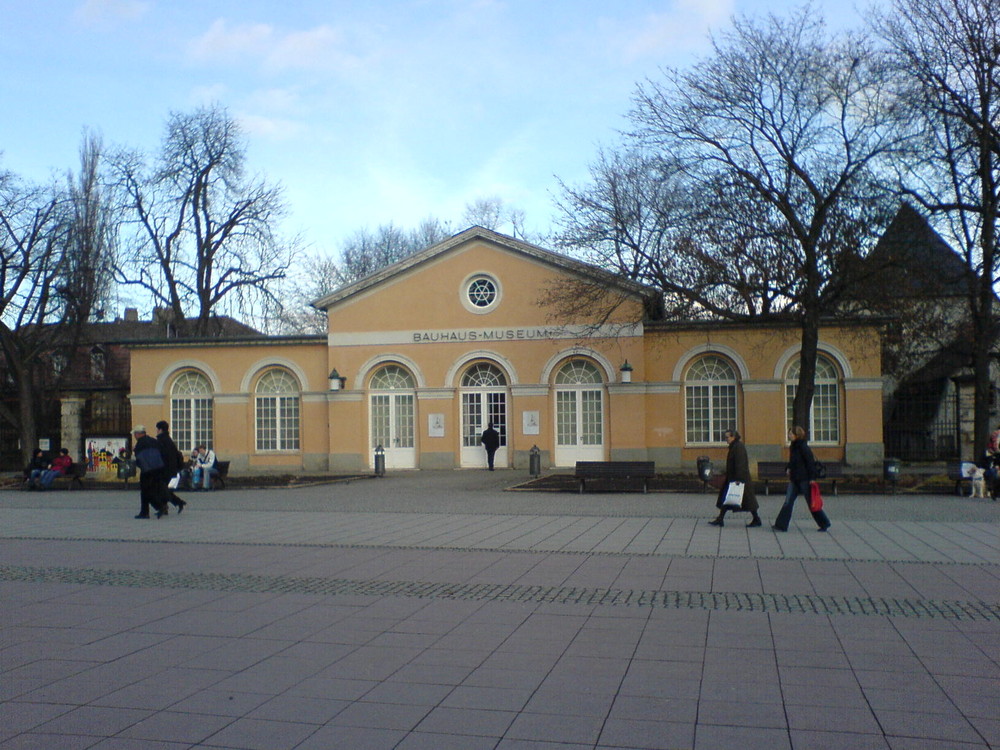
(313, 338)
(537, 252)
(776, 322)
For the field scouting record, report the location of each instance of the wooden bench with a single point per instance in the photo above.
(614, 470)
(768, 470)
(74, 477)
(958, 472)
(219, 480)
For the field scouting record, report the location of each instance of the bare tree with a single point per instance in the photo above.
(366, 252)
(494, 213)
(31, 273)
(199, 234)
(788, 122)
(948, 54)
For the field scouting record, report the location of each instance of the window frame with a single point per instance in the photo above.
(283, 434)
(711, 389)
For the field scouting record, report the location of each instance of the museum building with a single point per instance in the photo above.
(422, 355)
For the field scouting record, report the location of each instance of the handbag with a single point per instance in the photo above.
(734, 495)
(174, 482)
(149, 459)
(815, 498)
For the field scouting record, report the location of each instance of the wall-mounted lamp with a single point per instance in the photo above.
(626, 371)
(336, 381)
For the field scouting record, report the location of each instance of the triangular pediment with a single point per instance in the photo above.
(500, 242)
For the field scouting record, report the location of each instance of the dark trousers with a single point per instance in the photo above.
(791, 495)
(489, 457)
(151, 486)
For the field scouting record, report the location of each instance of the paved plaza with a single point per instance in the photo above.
(445, 610)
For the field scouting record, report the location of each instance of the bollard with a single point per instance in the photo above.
(534, 461)
(379, 461)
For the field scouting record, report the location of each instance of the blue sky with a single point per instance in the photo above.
(365, 111)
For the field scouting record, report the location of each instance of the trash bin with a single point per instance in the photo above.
(704, 469)
(126, 469)
(379, 461)
(534, 461)
(891, 468)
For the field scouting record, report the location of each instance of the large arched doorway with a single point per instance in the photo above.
(484, 400)
(392, 407)
(579, 391)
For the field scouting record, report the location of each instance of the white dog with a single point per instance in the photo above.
(978, 477)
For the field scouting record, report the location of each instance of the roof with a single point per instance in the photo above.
(916, 260)
(511, 244)
(122, 331)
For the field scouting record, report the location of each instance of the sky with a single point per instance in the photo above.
(366, 112)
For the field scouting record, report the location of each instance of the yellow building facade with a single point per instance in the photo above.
(422, 355)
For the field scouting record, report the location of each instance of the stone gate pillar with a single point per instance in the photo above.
(71, 411)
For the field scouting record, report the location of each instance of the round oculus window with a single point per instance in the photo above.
(481, 293)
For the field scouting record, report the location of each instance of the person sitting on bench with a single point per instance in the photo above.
(204, 468)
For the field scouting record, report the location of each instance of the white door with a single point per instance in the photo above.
(393, 417)
(480, 408)
(579, 414)
(392, 428)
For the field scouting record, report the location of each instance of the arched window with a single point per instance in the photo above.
(824, 414)
(98, 364)
(392, 403)
(277, 418)
(392, 378)
(709, 400)
(191, 410)
(484, 401)
(579, 395)
(578, 372)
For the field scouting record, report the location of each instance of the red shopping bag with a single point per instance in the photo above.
(815, 498)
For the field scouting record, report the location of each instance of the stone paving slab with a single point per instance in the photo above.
(447, 613)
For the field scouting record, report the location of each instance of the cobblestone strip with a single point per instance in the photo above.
(704, 600)
(484, 548)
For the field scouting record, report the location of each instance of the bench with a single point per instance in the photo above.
(959, 472)
(613, 470)
(768, 470)
(219, 480)
(73, 478)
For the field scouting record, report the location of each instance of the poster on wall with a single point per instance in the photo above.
(529, 422)
(103, 455)
(435, 425)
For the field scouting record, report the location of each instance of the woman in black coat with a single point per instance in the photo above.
(737, 470)
(801, 471)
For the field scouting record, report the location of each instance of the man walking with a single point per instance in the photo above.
(172, 459)
(152, 468)
(491, 441)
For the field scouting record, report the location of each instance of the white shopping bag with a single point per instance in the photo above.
(174, 482)
(734, 495)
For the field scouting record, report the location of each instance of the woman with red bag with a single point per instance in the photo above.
(801, 472)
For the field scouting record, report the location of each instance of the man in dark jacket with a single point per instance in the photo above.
(172, 459)
(152, 469)
(490, 441)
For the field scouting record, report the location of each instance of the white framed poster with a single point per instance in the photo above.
(529, 422)
(435, 425)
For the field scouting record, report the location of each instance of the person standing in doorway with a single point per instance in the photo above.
(737, 470)
(173, 460)
(152, 469)
(491, 441)
(801, 471)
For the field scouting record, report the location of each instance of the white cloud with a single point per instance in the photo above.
(322, 47)
(103, 11)
(273, 128)
(681, 29)
(222, 43)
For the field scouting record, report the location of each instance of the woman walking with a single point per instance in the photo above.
(801, 471)
(737, 470)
